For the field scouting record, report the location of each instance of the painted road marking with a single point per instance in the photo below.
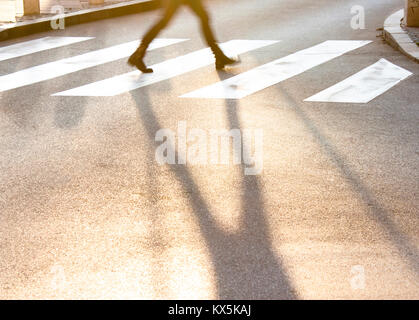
(276, 71)
(365, 85)
(65, 66)
(32, 46)
(162, 71)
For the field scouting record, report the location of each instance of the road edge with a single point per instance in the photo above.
(20, 29)
(398, 38)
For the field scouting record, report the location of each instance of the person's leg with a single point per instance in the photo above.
(221, 59)
(171, 7)
(200, 11)
(136, 59)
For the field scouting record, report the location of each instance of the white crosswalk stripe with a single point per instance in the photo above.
(68, 65)
(272, 73)
(362, 87)
(162, 71)
(365, 85)
(32, 46)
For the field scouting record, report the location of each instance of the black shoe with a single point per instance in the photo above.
(136, 60)
(222, 61)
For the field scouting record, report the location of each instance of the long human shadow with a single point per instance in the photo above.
(376, 212)
(245, 264)
(253, 218)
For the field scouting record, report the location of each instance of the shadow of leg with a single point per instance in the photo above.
(245, 265)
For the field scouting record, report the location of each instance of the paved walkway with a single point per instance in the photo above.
(84, 5)
(39, 23)
(413, 34)
(400, 37)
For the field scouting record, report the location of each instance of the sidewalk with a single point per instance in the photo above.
(39, 23)
(404, 39)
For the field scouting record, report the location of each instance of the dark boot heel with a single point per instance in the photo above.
(136, 60)
(223, 61)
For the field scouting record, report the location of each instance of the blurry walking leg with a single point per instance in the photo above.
(221, 59)
(136, 59)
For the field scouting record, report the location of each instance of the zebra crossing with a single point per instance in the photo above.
(274, 72)
(361, 87)
(65, 66)
(162, 71)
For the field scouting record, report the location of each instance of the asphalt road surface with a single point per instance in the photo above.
(87, 211)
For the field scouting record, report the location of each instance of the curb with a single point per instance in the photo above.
(24, 28)
(398, 38)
